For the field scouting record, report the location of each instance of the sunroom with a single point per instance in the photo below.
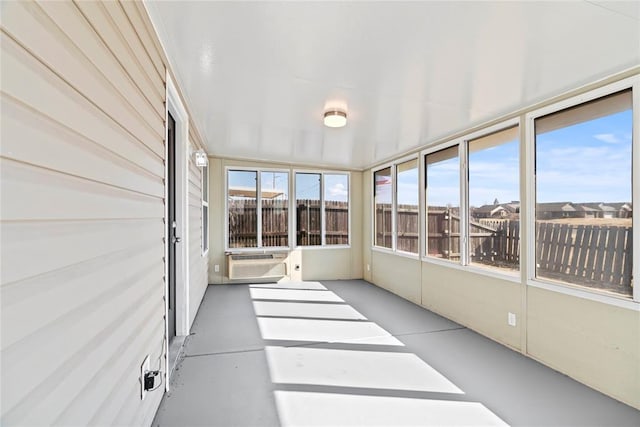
(319, 213)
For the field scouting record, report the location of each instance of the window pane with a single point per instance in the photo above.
(205, 183)
(242, 208)
(275, 208)
(382, 200)
(205, 209)
(205, 228)
(443, 204)
(336, 209)
(407, 206)
(308, 209)
(494, 202)
(583, 195)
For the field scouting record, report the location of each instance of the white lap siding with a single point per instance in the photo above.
(82, 207)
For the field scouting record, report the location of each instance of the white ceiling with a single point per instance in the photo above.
(258, 76)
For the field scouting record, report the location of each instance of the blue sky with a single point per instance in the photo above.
(586, 162)
(336, 186)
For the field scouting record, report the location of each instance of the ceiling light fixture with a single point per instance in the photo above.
(335, 118)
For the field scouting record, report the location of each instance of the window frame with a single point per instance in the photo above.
(394, 207)
(594, 294)
(423, 193)
(259, 247)
(293, 206)
(464, 194)
(205, 203)
(462, 143)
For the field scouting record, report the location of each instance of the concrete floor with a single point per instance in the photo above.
(350, 353)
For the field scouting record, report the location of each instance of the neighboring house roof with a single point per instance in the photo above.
(599, 206)
(491, 209)
(621, 206)
(249, 192)
(556, 207)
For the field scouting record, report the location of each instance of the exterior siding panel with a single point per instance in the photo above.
(82, 213)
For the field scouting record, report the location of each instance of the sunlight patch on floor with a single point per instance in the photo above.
(351, 368)
(360, 374)
(291, 285)
(306, 309)
(294, 295)
(330, 409)
(331, 331)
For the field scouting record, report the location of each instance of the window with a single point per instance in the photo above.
(406, 210)
(322, 209)
(275, 208)
(257, 219)
(205, 209)
(396, 207)
(583, 194)
(308, 227)
(494, 201)
(383, 192)
(442, 170)
(336, 209)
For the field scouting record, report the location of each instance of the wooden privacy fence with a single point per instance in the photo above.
(243, 223)
(494, 242)
(588, 255)
(407, 227)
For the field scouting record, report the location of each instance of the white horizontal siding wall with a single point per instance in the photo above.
(82, 188)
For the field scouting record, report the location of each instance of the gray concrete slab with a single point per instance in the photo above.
(232, 389)
(315, 363)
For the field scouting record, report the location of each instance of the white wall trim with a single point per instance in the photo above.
(178, 111)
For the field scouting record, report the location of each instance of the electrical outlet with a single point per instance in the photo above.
(511, 319)
(144, 368)
(216, 268)
(368, 267)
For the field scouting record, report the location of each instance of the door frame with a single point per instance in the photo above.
(175, 106)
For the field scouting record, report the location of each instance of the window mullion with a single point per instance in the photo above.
(259, 207)
(464, 203)
(323, 226)
(394, 207)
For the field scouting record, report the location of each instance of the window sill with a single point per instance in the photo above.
(575, 291)
(514, 278)
(323, 247)
(268, 250)
(397, 253)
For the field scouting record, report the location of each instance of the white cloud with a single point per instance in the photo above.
(338, 191)
(609, 138)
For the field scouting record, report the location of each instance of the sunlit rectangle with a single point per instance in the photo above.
(294, 295)
(338, 331)
(306, 309)
(351, 368)
(291, 285)
(325, 409)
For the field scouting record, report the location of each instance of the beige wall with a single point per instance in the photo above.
(315, 263)
(595, 342)
(82, 213)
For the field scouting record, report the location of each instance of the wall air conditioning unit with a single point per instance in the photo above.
(256, 266)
